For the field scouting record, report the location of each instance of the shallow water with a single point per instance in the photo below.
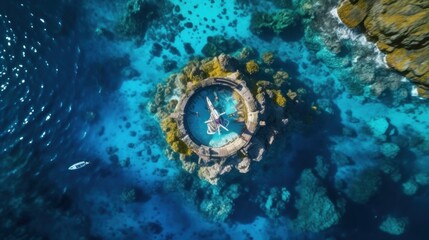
(198, 114)
(68, 94)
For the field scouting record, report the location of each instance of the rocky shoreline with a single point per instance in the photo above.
(400, 29)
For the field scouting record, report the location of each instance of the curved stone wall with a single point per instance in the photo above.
(230, 149)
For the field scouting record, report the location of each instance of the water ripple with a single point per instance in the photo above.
(38, 85)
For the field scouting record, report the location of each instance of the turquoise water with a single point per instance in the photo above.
(197, 113)
(69, 94)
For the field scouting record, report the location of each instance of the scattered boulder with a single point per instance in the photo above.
(244, 165)
(279, 23)
(393, 225)
(410, 187)
(138, 15)
(378, 127)
(169, 65)
(389, 150)
(227, 63)
(219, 44)
(274, 203)
(364, 186)
(422, 179)
(316, 212)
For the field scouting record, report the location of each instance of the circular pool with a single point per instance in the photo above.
(207, 128)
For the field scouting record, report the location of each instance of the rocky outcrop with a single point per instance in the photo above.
(219, 44)
(316, 211)
(137, 18)
(266, 25)
(400, 29)
(394, 225)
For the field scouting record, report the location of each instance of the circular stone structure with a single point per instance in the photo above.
(224, 100)
(225, 93)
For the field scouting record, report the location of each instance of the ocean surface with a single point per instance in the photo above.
(72, 88)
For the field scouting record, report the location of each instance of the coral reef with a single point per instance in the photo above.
(364, 186)
(280, 78)
(278, 98)
(219, 44)
(137, 18)
(274, 202)
(216, 202)
(243, 66)
(379, 127)
(316, 212)
(400, 29)
(413, 184)
(409, 187)
(268, 58)
(169, 126)
(279, 23)
(128, 195)
(393, 225)
(389, 150)
(252, 67)
(282, 3)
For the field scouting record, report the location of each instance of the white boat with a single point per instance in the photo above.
(78, 165)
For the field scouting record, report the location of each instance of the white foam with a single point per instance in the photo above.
(414, 92)
(334, 13)
(346, 33)
(380, 59)
(404, 79)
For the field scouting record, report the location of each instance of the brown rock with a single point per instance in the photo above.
(423, 92)
(352, 14)
(399, 23)
(244, 165)
(400, 28)
(414, 64)
(384, 47)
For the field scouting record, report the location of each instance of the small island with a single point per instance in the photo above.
(217, 115)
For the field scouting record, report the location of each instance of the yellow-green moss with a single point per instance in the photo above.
(192, 72)
(384, 47)
(292, 95)
(280, 77)
(252, 67)
(169, 126)
(241, 106)
(181, 147)
(268, 58)
(213, 69)
(423, 92)
(278, 98)
(352, 14)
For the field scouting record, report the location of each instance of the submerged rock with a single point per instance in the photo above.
(265, 24)
(364, 186)
(265, 116)
(378, 127)
(410, 187)
(389, 150)
(393, 225)
(219, 44)
(137, 18)
(316, 211)
(400, 29)
(422, 179)
(274, 203)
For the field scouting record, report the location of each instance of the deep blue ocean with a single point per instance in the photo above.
(74, 87)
